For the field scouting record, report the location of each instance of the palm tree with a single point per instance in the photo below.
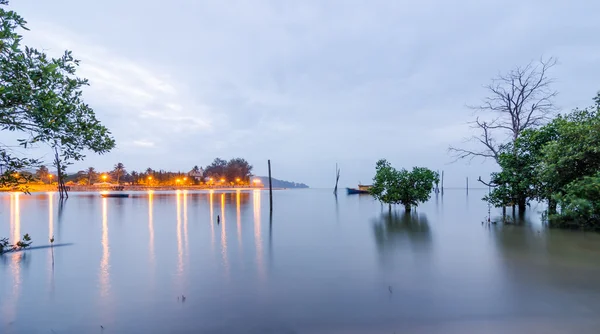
(91, 173)
(119, 170)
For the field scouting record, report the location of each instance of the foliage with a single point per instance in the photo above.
(575, 153)
(217, 169)
(579, 205)
(41, 98)
(557, 163)
(5, 246)
(91, 175)
(119, 171)
(236, 168)
(518, 181)
(393, 186)
(42, 173)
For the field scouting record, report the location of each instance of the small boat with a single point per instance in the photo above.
(115, 195)
(362, 189)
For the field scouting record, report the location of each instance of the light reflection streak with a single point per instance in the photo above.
(10, 306)
(104, 263)
(257, 233)
(151, 225)
(212, 223)
(15, 217)
(179, 245)
(239, 217)
(50, 216)
(224, 236)
(185, 223)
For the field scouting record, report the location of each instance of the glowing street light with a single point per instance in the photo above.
(237, 179)
(256, 181)
(149, 177)
(222, 180)
(185, 178)
(104, 176)
(178, 180)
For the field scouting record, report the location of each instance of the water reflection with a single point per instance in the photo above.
(212, 223)
(239, 217)
(151, 225)
(50, 216)
(224, 237)
(257, 233)
(104, 263)
(185, 224)
(16, 259)
(394, 230)
(179, 245)
(15, 217)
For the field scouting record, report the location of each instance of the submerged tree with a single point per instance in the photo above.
(393, 186)
(518, 101)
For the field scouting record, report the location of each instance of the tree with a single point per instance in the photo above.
(580, 207)
(238, 168)
(119, 171)
(217, 169)
(393, 186)
(42, 98)
(91, 174)
(518, 182)
(519, 100)
(42, 173)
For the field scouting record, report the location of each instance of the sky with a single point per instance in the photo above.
(307, 84)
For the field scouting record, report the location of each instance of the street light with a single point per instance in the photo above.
(237, 179)
(104, 176)
(222, 180)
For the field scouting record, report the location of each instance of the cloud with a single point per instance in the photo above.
(308, 83)
(143, 143)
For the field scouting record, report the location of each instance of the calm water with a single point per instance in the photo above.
(317, 266)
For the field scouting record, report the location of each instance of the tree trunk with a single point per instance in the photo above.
(522, 205)
(551, 206)
(62, 190)
(407, 207)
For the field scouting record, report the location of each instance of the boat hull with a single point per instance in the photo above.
(115, 195)
(354, 191)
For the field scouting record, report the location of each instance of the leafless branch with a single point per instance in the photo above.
(487, 184)
(518, 100)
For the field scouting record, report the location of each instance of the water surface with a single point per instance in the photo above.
(317, 265)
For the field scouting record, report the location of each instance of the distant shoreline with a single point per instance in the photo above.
(36, 188)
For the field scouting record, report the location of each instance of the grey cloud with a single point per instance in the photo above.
(309, 83)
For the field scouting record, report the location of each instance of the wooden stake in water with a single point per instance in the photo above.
(467, 185)
(270, 188)
(442, 182)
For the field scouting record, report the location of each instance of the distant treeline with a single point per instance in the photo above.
(281, 184)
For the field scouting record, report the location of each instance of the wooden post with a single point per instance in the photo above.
(442, 182)
(337, 178)
(270, 188)
(467, 185)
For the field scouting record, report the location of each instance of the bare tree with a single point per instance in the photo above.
(519, 100)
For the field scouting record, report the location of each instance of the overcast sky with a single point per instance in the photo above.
(307, 83)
